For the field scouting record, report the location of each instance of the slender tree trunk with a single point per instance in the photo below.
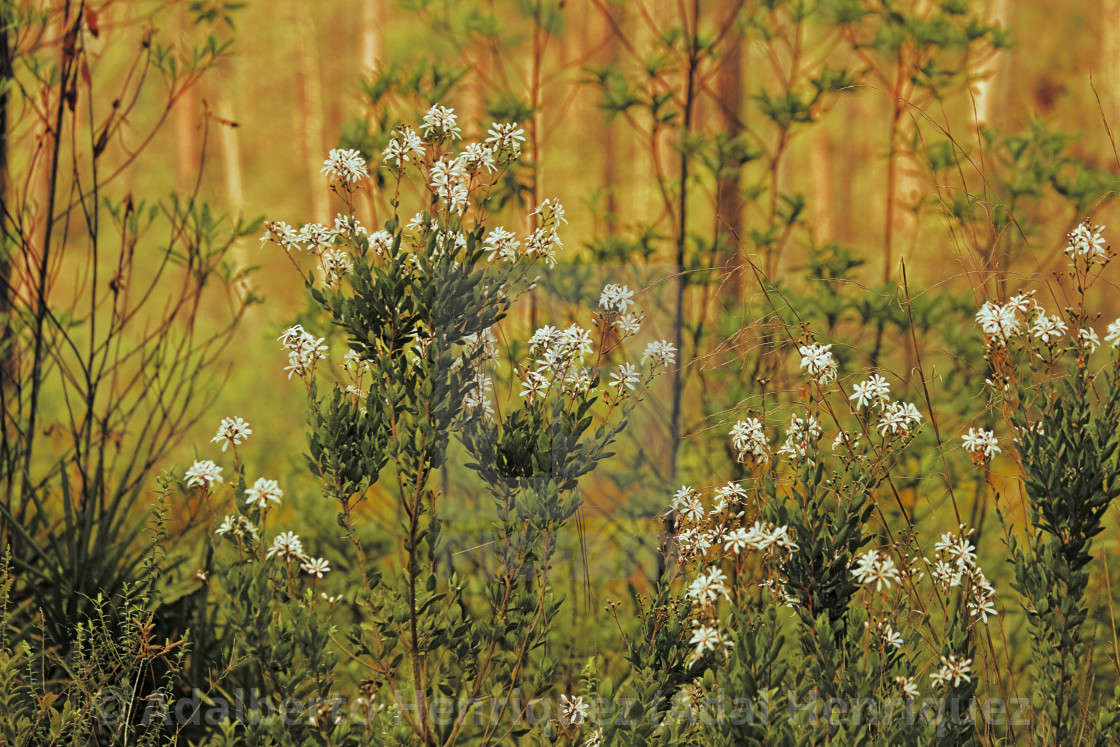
(991, 88)
(729, 203)
(309, 107)
(185, 126)
(373, 17)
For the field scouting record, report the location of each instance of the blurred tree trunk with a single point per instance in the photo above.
(373, 16)
(991, 89)
(729, 202)
(611, 52)
(309, 107)
(1109, 88)
(186, 120)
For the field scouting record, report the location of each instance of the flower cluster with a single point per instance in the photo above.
(749, 441)
(819, 363)
(877, 567)
(953, 669)
(981, 444)
(802, 434)
(1088, 244)
(346, 169)
(956, 566)
(304, 351)
(203, 474)
(232, 431)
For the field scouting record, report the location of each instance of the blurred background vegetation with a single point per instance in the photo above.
(867, 170)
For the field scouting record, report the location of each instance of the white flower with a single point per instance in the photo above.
(534, 384)
(477, 398)
(801, 434)
(232, 430)
(898, 417)
(440, 122)
(1112, 335)
(262, 492)
(595, 739)
(501, 244)
(281, 234)
(908, 685)
(818, 362)
(315, 567)
(336, 265)
(982, 444)
(238, 525)
(627, 376)
(381, 242)
(1046, 327)
(891, 637)
(573, 710)
(736, 540)
(288, 546)
(405, 146)
(705, 638)
(708, 587)
(476, 157)
(876, 391)
(1089, 244)
(628, 324)
(345, 168)
(203, 473)
(542, 338)
(304, 350)
(875, 566)
(748, 439)
(952, 669)
(998, 323)
(316, 236)
(1087, 338)
(505, 140)
(660, 353)
(616, 297)
(348, 226)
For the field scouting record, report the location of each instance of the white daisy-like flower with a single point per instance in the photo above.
(345, 168)
(232, 431)
(281, 234)
(818, 362)
(535, 384)
(982, 444)
(439, 123)
(345, 225)
(627, 376)
(595, 738)
(203, 474)
(381, 242)
(908, 686)
(238, 526)
(705, 638)
(316, 567)
(1112, 334)
(736, 540)
(999, 323)
(801, 434)
(287, 546)
(1048, 328)
(1087, 338)
(337, 264)
(616, 298)
(573, 710)
(505, 140)
(876, 392)
(661, 353)
(478, 157)
(628, 324)
(749, 439)
(878, 567)
(898, 417)
(502, 245)
(263, 492)
(405, 146)
(953, 670)
(316, 237)
(708, 587)
(1089, 244)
